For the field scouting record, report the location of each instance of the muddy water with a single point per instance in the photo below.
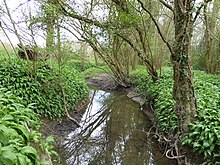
(113, 132)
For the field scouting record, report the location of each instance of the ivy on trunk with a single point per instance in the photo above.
(183, 90)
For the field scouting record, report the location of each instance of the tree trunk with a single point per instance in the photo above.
(210, 24)
(183, 91)
(50, 34)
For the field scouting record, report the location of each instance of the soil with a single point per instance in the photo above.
(103, 81)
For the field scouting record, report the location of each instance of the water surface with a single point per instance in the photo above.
(113, 132)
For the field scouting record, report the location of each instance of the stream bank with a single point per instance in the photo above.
(113, 130)
(99, 81)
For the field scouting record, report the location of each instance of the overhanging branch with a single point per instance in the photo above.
(167, 5)
(199, 9)
(157, 26)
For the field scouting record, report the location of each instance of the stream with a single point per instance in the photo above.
(113, 132)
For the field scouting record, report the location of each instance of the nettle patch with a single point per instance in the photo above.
(43, 86)
(20, 141)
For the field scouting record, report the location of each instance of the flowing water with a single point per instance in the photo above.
(113, 132)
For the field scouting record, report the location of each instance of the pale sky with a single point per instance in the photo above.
(16, 8)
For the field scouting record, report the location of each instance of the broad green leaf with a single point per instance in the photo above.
(8, 155)
(30, 152)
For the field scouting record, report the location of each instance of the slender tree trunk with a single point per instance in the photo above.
(59, 56)
(183, 91)
(135, 61)
(95, 57)
(50, 34)
(83, 55)
(210, 24)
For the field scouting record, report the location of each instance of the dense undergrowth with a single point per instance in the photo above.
(46, 86)
(88, 68)
(26, 93)
(20, 140)
(204, 133)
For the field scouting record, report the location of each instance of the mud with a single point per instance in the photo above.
(103, 81)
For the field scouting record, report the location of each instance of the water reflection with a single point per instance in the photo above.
(112, 133)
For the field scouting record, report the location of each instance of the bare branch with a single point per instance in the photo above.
(8, 38)
(167, 5)
(140, 54)
(21, 5)
(157, 26)
(82, 18)
(199, 9)
(5, 48)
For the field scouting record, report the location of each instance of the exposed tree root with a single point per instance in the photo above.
(171, 145)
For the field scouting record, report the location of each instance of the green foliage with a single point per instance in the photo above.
(142, 81)
(204, 133)
(74, 86)
(79, 65)
(161, 92)
(43, 87)
(17, 125)
(94, 70)
(164, 103)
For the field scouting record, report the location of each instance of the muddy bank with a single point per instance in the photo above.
(103, 81)
(59, 129)
(113, 131)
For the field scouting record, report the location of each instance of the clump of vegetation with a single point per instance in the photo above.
(161, 94)
(94, 70)
(79, 65)
(45, 86)
(20, 139)
(203, 134)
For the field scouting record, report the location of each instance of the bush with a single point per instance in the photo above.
(43, 87)
(19, 127)
(94, 70)
(79, 66)
(204, 133)
(161, 92)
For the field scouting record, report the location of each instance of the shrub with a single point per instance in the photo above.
(43, 87)
(19, 127)
(79, 65)
(94, 70)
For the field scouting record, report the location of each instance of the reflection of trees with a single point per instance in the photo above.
(112, 135)
(125, 139)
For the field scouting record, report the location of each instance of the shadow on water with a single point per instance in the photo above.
(113, 132)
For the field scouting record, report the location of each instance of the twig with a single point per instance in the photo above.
(8, 38)
(157, 26)
(167, 5)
